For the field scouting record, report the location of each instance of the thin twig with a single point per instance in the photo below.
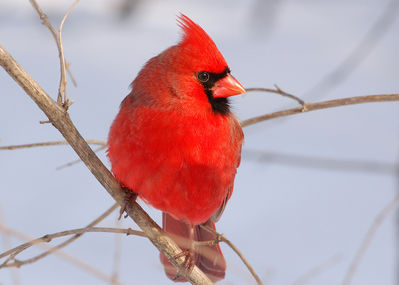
(70, 240)
(280, 92)
(323, 105)
(63, 82)
(16, 279)
(58, 40)
(244, 260)
(49, 237)
(117, 254)
(44, 19)
(221, 237)
(71, 75)
(379, 219)
(318, 162)
(78, 160)
(54, 143)
(73, 260)
(13, 147)
(304, 279)
(46, 22)
(363, 48)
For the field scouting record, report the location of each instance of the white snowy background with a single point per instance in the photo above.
(309, 185)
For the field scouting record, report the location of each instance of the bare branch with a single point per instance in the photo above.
(362, 49)
(71, 75)
(70, 240)
(280, 92)
(45, 22)
(379, 219)
(44, 19)
(61, 120)
(78, 160)
(58, 40)
(318, 162)
(47, 238)
(323, 105)
(318, 270)
(117, 254)
(244, 260)
(13, 147)
(221, 237)
(54, 143)
(62, 58)
(16, 279)
(73, 260)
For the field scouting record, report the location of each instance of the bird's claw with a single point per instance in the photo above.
(130, 197)
(188, 261)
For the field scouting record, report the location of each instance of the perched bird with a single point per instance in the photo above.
(176, 144)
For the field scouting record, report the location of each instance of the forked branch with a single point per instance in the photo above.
(222, 238)
(55, 248)
(62, 98)
(11, 261)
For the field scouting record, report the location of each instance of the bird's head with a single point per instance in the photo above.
(193, 72)
(200, 59)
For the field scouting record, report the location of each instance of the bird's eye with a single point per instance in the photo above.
(203, 76)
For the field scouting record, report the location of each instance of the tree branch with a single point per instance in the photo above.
(69, 258)
(12, 147)
(63, 82)
(68, 241)
(321, 163)
(280, 92)
(117, 254)
(6, 241)
(322, 105)
(221, 237)
(12, 253)
(57, 38)
(61, 120)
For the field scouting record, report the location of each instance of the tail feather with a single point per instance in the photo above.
(211, 259)
(208, 258)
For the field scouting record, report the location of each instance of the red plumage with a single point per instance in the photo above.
(176, 145)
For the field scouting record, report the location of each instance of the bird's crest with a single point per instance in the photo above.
(200, 44)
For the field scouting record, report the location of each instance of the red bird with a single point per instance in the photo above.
(176, 144)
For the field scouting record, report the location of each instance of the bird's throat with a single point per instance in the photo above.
(219, 105)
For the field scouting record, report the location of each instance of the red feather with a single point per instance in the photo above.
(169, 146)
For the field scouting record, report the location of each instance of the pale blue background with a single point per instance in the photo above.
(285, 217)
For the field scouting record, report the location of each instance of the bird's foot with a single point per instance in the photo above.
(188, 261)
(130, 197)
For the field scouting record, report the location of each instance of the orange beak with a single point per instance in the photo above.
(226, 87)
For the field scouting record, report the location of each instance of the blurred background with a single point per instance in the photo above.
(309, 186)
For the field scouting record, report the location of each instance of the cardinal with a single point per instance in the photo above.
(176, 144)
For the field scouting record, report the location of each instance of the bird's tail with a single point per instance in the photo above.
(208, 258)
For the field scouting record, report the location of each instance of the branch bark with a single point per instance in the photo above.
(61, 120)
(73, 260)
(49, 237)
(63, 244)
(322, 105)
